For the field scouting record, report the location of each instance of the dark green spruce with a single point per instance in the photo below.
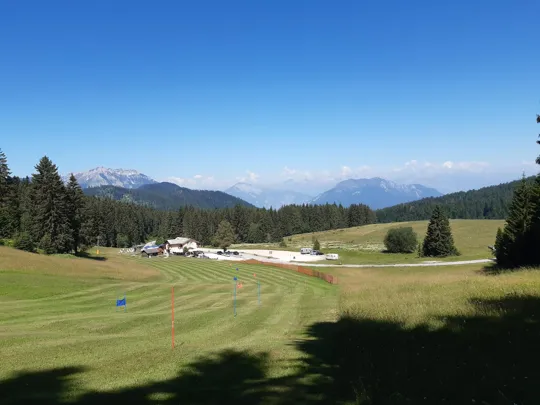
(50, 224)
(518, 244)
(75, 212)
(439, 241)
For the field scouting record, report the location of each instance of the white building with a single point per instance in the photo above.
(177, 244)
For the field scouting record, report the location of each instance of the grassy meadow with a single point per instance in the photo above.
(365, 244)
(62, 334)
(434, 335)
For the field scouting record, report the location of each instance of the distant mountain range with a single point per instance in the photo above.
(101, 176)
(267, 197)
(167, 196)
(131, 185)
(376, 193)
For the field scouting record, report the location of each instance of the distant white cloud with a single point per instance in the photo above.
(414, 165)
(196, 182)
(446, 176)
(250, 177)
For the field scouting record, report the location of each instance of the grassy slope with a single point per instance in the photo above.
(450, 335)
(71, 321)
(364, 244)
(436, 335)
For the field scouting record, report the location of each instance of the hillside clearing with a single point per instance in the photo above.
(71, 323)
(394, 335)
(365, 244)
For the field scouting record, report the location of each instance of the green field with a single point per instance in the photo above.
(365, 244)
(62, 331)
(453, 335)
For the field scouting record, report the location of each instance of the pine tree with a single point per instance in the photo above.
(533, 236)
(4, 192)
(4, 174)
(74, 211)
(240, 222)
(48, 197)
(224, 236)
(439, 241)
(512, 247)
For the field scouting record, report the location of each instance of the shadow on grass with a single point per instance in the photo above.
(490, 358)
(493, 269)
(86, 255)
(38, 387)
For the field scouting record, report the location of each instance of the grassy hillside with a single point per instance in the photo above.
(450, 335)
(383, 336)
(365, 244)
(167, 196)
(59, 321)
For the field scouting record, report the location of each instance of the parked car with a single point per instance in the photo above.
(317, 253)
(219, 252)
(236, 253)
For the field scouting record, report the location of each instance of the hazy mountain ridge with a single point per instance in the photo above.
(266, 196)
(375, 192)
(167, 196)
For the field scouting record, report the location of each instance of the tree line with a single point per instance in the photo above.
(42, 212)
(491, 202)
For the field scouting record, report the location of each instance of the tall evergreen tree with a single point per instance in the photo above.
(75, 211)
(533, 237)
(517, 245)
(49, 220)
(224, 236)
(4, 199)
(4, 173)
(439, 241)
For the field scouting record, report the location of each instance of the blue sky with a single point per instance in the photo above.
(270, 90)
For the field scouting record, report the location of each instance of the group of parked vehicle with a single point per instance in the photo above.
(227, 253)
(314, 252)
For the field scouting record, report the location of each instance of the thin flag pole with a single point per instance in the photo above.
(235, 296)
(172, 315)
(125, 303)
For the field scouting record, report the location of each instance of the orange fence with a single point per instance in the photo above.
(304, 270)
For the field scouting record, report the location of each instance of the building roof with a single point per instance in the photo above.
(179, 240)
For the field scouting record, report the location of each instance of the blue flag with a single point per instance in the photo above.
(121, 303)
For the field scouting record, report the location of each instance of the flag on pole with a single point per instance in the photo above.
(122, 302)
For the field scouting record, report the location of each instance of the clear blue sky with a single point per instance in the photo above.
(178, 88)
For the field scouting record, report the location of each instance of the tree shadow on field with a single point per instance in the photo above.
(493, 269)
(231, 377)
(86, 255)
(38, 387)
(487, 359)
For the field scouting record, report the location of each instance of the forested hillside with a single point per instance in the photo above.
(167, 196)
(42, 212)
(485, 203)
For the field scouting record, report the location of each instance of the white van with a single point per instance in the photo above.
(305, 251)
(332, 256)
